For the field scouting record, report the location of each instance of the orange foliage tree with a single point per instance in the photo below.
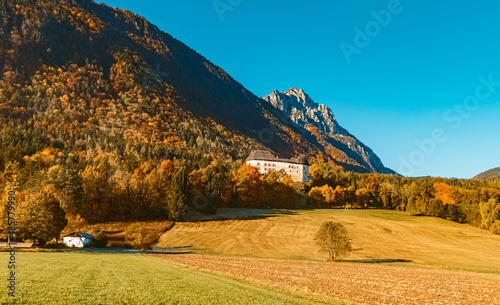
(443, 193)
(249, 186)
(314, 130)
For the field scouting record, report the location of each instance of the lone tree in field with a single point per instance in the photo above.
(333, 238)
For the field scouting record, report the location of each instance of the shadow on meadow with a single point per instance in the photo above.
(173, 250)
(240, 214)
(376, 260)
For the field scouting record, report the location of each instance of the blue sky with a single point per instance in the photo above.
(425, 73)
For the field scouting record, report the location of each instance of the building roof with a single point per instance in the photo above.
(264, 155)
(79, 234)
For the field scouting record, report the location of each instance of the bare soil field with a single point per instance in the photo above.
(355, 282)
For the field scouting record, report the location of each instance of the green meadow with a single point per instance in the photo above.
(97, 278)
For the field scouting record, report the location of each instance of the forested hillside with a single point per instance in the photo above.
(492, 174)
(107, 55)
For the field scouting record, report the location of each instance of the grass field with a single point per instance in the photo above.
(377, 235)
(95, 278)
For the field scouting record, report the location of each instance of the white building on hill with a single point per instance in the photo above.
(296, 168)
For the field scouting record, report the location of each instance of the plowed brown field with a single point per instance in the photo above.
(360, 283)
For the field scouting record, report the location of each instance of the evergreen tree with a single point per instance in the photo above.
(177, 195)
(74, 191)
(211, 199)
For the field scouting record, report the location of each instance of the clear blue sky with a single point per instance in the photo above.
(399, 88)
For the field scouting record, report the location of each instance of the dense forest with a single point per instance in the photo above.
(53, 192)
(90, 133)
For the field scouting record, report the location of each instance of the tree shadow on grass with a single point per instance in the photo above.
(376, 260)
(173, 250)
(242, 214)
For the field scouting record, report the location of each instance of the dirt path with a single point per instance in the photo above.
(363, 283)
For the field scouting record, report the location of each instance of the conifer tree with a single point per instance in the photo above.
(177, 195)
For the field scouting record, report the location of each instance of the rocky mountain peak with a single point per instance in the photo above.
(305, 113)
(303, 110)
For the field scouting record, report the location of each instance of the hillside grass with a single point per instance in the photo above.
(378, 236)
(96, 278)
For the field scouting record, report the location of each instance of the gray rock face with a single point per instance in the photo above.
(305, 113)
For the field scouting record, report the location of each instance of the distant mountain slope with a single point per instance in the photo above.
(320, 121)
(489, 174)
(114, 74)
(83, 78)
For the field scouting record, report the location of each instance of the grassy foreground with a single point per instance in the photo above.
(94, 278)
(389, 236)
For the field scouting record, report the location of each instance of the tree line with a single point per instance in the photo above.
(53, 196)
(474, 202)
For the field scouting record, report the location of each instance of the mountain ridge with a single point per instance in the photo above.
(305, 113)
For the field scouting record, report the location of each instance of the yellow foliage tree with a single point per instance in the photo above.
(322, 195)
(315, 172)
(249, 186)
(362, 197)
(339, 195)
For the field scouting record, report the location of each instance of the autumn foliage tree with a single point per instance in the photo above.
(490, 212)
(362, 197)
(96, 192)
(41, 218)
(313, 130)
(249, 187)
(373, 187)
(339, 196)
(279, 190)
(443, 192)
